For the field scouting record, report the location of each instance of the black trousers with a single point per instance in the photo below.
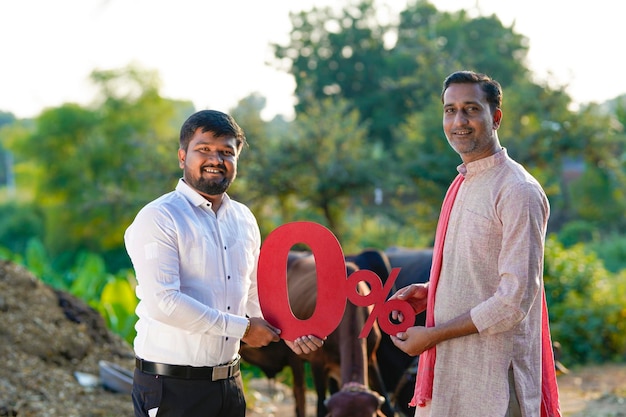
(175, 397)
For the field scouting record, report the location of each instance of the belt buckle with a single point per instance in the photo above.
(220, 372)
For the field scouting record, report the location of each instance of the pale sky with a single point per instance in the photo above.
(214, 52)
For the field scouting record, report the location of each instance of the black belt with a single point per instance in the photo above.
(213, 373)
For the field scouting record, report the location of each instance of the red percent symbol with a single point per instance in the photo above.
(333, 286)
(376, 297)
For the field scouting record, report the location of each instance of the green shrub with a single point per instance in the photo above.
(18, 224)
(117, 304)
(612, 251)
(587, 304)
(577, 231)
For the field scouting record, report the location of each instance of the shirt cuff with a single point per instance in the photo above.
(237, 326)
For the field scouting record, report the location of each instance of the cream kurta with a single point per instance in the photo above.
(493, 267)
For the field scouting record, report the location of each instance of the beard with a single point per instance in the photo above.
(205, 186)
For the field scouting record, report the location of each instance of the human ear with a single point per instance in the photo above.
(497, 118)
(181, 158)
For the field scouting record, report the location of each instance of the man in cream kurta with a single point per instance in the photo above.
(494, 270)
(485, 337)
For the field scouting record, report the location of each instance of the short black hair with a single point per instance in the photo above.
(220, 124)
(491, 87)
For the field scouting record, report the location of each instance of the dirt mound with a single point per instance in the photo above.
(48, 339)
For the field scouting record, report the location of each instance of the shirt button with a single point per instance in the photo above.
(228, 277)
(228, 308)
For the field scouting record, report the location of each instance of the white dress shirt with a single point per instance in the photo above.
(196, 275)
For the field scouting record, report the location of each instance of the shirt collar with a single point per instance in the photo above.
(195, 198)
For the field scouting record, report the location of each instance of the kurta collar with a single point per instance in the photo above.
(473, 168)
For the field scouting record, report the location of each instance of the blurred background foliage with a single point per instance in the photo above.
(364, 155)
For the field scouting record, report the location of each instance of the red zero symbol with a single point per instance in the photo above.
(376, 297)
(333, 286)
(272, 280)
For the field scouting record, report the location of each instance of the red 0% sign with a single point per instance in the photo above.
(334, 287)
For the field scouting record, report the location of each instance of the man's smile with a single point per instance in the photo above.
(463, 132)
(213, 170)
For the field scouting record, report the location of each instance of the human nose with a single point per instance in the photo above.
(215, 156)
(460, 118)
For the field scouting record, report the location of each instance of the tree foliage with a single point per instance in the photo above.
(90, 169)
(346, 54)
(324, 163)
(577, 155)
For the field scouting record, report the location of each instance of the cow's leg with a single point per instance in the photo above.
(320, 378)
(299, 388)
(333, 386)
(377, 384)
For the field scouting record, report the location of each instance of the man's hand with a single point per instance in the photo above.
(415, 294)
(260, 333)
(305, 344)
(414, 340)
(417, 339)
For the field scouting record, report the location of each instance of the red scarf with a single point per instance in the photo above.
(426, 366)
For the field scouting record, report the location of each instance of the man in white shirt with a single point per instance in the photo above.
(195, 254)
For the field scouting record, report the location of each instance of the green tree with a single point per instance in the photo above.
(426, 167)
(325, 163)
(259, 183)
(393, 75)
(339, 54)
(91, 169)
(348, 54)
(597, 195)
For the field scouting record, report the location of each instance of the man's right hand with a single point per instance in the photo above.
(414, 294)
(305, 344)
(261, 333)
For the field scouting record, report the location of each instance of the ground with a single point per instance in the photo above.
(590, 391)
(594, 391)
(49, 340)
